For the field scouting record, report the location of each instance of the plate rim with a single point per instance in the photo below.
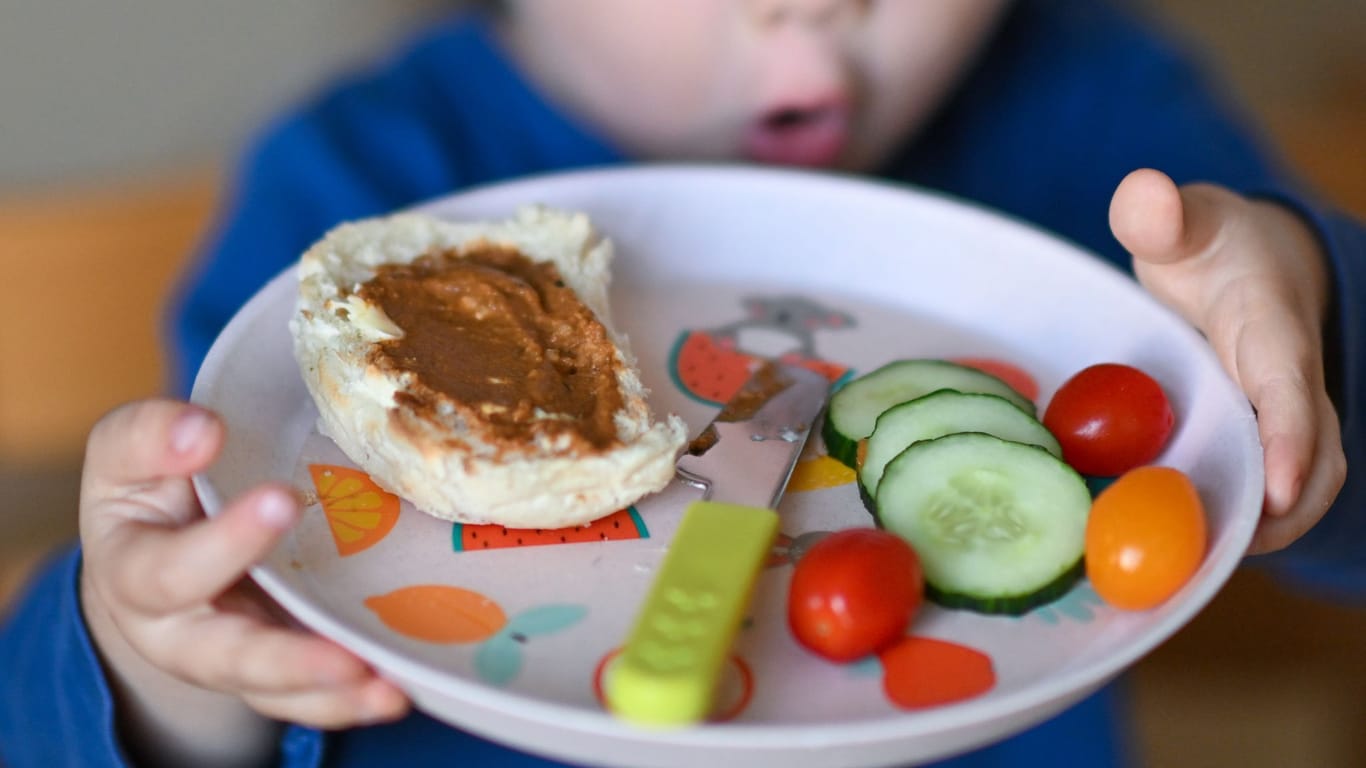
(734, 735)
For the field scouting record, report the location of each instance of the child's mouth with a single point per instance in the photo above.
(811, 137)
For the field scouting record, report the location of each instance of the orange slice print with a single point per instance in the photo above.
(437, 613)
(359, 512)
(820, 472)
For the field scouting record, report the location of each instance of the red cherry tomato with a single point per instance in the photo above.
(1145, 537)
(1109, 418)
(854, 592)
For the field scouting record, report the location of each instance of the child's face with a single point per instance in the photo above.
(825, 83)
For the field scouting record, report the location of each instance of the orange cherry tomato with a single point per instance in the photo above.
(1145, 537)
(854, 592)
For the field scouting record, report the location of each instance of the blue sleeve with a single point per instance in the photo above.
(58, 708)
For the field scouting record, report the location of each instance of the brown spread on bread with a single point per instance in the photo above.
(504, 342)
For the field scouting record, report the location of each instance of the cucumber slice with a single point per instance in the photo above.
(855, 407)
(999, 526)
(943, 413)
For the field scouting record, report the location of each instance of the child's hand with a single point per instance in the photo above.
(165, 594)
(1251, 277)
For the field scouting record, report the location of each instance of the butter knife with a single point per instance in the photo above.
(667, 672)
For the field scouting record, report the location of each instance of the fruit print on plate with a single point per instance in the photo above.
(359, 512)
(474, 623)
(622, 524)
(715, 266)
(711, 364)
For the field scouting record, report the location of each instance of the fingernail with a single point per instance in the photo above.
(1282, 493)
(188, 429)
(276, 509)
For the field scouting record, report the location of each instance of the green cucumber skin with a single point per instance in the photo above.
(837, 446)
(1012, 599)
(842, 444)
(869, 503)
(1010, 605)
(990, 414)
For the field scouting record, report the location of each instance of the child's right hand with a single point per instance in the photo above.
(187, 638)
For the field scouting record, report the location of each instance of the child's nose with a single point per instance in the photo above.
(817, 13)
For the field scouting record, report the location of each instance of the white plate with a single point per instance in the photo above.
(515, 637)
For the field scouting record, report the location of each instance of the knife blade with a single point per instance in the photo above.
(667, 671)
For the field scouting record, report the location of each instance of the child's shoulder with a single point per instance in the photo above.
(423, 70)
(1071, 31)
(405, 120)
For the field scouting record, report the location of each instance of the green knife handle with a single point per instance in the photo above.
(666, 675)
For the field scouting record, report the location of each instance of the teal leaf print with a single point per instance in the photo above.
(499, 659)
(1078, 605)
(546, 619)
(1097, 484)
(868, 666)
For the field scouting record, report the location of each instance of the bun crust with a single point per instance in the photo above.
(439, 460)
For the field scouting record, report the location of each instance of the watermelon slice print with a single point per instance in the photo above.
(622, 524)
(710, 365)
(707, 368)
(711, 369)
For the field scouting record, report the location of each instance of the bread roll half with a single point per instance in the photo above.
(466, 457)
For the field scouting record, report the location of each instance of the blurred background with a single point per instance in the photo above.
(119, 118)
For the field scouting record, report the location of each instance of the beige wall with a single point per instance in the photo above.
(1280, 53)
(101, 88)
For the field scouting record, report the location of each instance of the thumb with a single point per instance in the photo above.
(1158, 223)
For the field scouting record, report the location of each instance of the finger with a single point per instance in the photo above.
(374, 700)
(148, 440)
(163, 569)
(248, 599)
(238, 654)
(1160, 224)
(1325, 481)
(1286, 403)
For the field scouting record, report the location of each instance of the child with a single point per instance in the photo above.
(154, 648)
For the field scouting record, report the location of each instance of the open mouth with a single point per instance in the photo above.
(811, 137)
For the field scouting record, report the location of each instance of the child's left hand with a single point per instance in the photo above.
(1251, 276)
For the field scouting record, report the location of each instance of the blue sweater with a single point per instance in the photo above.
(1071, 97)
